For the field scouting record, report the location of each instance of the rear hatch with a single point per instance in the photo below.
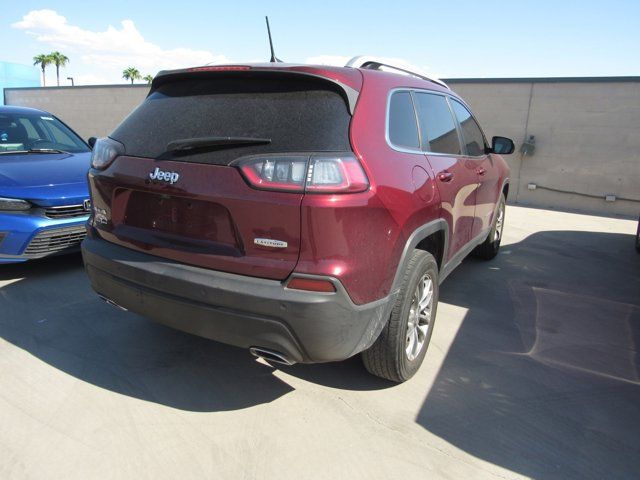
(174, 197)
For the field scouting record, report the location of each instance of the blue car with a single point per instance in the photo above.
(44, 198)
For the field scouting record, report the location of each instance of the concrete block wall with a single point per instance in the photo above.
(92, 111)
(587, 132)
(587, 139)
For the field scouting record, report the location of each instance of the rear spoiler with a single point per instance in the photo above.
(349, 94)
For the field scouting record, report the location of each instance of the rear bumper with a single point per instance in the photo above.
(238, 310)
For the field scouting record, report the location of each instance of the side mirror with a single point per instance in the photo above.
(92, 142)
(502, 145)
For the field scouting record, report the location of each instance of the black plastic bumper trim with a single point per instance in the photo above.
(238, 310)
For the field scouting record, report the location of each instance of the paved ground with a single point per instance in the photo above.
(533, 371)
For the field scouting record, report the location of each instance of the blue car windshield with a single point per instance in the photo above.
(21, 132)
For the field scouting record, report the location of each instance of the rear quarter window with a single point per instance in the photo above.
(403, 128)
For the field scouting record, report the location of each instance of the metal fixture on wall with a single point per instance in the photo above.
(528, 146)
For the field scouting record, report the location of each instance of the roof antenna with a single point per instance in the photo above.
(274, 59)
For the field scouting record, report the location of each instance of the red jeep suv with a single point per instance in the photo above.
(306, 213)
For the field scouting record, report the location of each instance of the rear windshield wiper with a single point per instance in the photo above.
(188, 144)
(34, 150)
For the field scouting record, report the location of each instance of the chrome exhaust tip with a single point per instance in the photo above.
(112, 303)
(270, 356)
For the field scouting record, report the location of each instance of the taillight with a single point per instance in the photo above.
(105, 151)
(336, 174)
(311, 174)
(285, 173)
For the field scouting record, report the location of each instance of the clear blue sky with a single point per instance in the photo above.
(453, 39)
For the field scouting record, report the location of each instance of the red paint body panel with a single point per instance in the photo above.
(372, 239)
(492, 172)
(351, 238)
(457, 196)
(238, 215)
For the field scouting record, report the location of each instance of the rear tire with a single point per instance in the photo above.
(488, 249)
(400, 349)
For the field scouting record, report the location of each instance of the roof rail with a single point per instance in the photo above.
(373, 63)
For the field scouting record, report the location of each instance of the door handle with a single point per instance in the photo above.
(481, 170)
(445, 176)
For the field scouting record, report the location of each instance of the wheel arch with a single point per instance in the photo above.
(505, 189)
(432, 237)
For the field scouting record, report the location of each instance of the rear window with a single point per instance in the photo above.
(298, 114)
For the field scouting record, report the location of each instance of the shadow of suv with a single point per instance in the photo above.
(307, 213)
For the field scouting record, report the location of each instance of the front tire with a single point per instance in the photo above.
(488, 249)
(401, 347)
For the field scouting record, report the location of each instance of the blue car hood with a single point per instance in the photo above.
(45, 179)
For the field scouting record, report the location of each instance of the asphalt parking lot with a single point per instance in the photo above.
(533, 371)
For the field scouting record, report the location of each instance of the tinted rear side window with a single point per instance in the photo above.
(437, 126)
(471, 133)
(403, 130)
(298, 114)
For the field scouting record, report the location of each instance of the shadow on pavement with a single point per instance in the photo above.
(49, 310)
(543, 375)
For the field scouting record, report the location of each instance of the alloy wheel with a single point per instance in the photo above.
(419, 320)
(499, 225)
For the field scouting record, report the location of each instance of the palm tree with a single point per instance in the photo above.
(148, 79)
(59, 60)
(43, 60)
(132, 74)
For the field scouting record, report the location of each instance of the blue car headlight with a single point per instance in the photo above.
(13, 205)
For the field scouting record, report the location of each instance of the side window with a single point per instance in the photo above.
(28, 126)
(59, 135)
(437, 126)
(471, 133)
(403, 130)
